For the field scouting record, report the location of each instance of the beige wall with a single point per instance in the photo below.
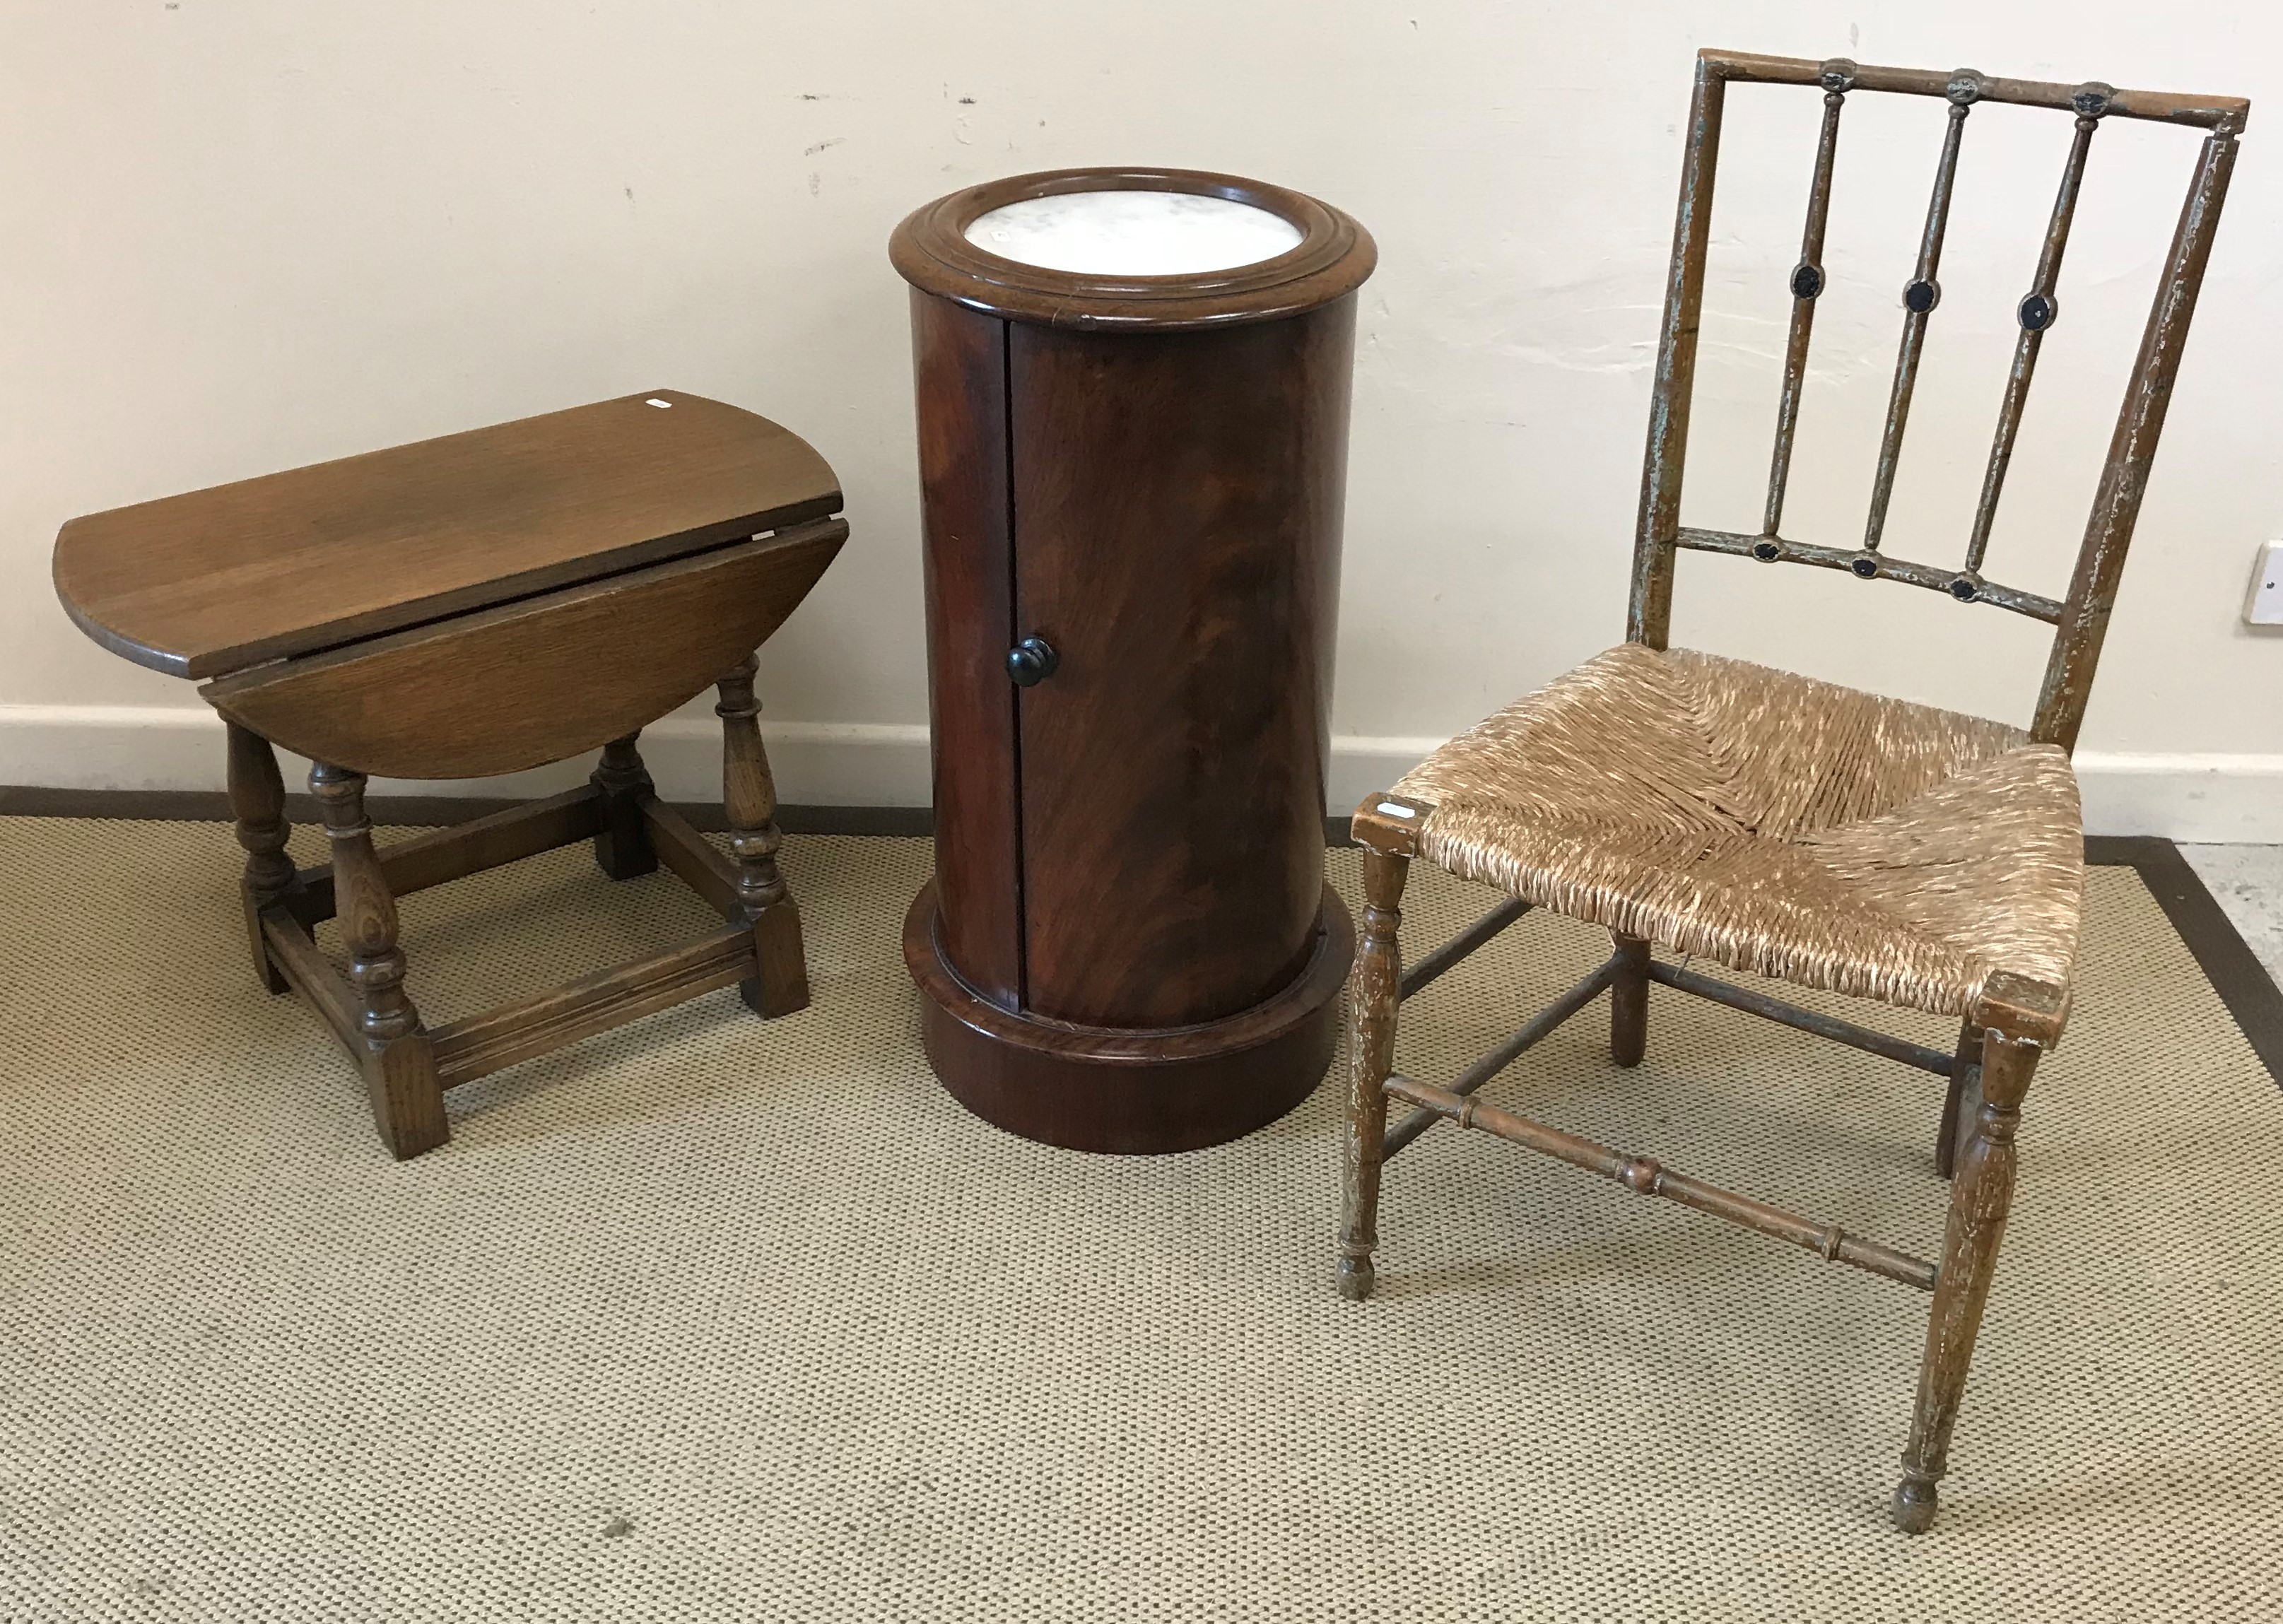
(241, 235)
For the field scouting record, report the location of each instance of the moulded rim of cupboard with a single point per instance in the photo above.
(1335, 254)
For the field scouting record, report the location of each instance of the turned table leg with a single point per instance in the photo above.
(623, 845)
(257, 800)
(398, 1061)
(749, 802)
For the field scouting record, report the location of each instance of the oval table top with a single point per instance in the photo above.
(219, 579)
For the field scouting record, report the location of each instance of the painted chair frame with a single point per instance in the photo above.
(2018, 1019)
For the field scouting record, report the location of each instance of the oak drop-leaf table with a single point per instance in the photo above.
(474, 605)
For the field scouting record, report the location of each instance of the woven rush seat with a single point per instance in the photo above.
(1771, 823)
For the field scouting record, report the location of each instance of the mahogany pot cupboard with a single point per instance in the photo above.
(1133, 486)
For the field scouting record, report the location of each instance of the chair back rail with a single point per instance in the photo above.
(2080, 620)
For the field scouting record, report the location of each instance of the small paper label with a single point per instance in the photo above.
(661, 405)
(1393, 811)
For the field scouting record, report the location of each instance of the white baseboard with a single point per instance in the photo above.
(2223, 799)
(169, 747)
(2226, 798)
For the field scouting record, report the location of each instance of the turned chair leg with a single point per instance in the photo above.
(1964, 1098)
(623, 845)
(398, 1061)
(1628, 1001)
(1375, 995)
(1981, 1193)
(257, 801)
(749, 802)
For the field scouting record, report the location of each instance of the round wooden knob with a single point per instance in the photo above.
(1032, 662)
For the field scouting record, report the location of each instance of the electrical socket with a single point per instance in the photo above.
(2265, 605)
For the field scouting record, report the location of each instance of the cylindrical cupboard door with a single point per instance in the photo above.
(1176, 512)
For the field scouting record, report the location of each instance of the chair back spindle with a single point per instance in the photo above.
(2081, 619)
(1806, 282)
(1920, 294)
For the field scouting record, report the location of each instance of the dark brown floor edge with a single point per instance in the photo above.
(2221, 952)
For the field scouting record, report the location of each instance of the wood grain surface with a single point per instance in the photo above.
(1178, 531)
(960, 364)
(1127, 1090)
(533, 683)
(215, 580)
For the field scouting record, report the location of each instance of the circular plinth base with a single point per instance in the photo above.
(1133, 1090)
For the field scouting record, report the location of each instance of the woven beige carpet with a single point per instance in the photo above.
(710, 1319)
